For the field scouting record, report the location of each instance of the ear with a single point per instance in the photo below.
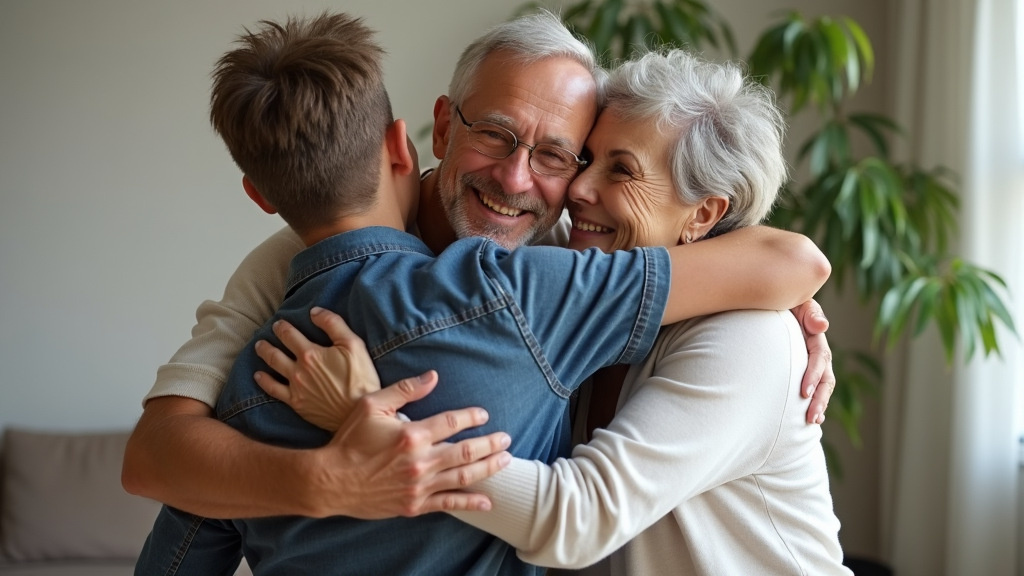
(255, 196)
(705, 216)
(401, 153)
(442, 125)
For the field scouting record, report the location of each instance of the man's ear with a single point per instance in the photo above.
(255, 196)
(708, 213)
(401, 153)
(442, 124)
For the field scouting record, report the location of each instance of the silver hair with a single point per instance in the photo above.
(528, 39)
(730, 131)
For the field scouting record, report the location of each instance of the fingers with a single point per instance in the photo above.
(275, 358)
(450, 486)
(292, 339)
(440, 427)
(819, 402)
(462, 465)
(454, 501)
(819, 379)
(392, 398)
(812, 317)
(819, 361)
(273, 388)
(333, 325)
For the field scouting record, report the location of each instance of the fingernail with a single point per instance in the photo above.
(315, 310)
(506, 441)
(504, 459)
(484, 506)
(257, 376)
(809, 391)
(821, 418)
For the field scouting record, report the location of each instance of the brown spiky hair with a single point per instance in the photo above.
(303, 110)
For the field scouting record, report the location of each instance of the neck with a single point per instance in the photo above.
(432, 221)
(342, 224)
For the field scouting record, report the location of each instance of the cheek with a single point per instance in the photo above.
(636, 217)
(463, 159)
(554, 192)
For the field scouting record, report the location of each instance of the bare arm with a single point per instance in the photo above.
(755, 267)
(376, 466)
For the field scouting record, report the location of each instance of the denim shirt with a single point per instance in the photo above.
(514, 332)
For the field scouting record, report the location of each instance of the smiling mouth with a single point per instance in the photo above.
(495, 206)
(586, 226)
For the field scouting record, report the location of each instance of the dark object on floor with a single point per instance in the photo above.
(865, 567)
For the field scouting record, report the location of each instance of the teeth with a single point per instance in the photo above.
(590, 227)
(500, 209)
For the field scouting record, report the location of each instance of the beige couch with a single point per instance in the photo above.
(62, 509)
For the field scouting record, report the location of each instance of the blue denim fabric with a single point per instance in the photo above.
(514, 332)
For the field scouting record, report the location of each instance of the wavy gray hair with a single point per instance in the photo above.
(528, 38)
(730, 129)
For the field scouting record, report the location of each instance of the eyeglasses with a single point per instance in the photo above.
(499, 142)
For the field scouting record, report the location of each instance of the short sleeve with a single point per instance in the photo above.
(588, 309)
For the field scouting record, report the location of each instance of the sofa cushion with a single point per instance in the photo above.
(62, 498)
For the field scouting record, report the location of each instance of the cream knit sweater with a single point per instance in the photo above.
(707, 468)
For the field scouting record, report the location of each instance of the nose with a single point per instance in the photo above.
(581, 190)
(514, 173)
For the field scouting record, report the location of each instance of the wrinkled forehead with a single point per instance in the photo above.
(552, 100)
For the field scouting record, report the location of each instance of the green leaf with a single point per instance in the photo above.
(794, 30)
(869, 125)
(767, 55)
(602, 28)
(867, 54)
(852, 66)
(906, 305)
(946, 320)
(573, 11)
(819, 154)
(839, 141)
(868, 223)
(835, 41)
(926, 306)
(965, 315)
(635, 35)
(888, 309)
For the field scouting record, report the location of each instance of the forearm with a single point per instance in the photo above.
(675, 438)
(751, 268)
(180, 455)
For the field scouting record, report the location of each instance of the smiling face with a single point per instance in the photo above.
(626, 196)
(549, 101)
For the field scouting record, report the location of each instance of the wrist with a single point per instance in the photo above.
(319, 487)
